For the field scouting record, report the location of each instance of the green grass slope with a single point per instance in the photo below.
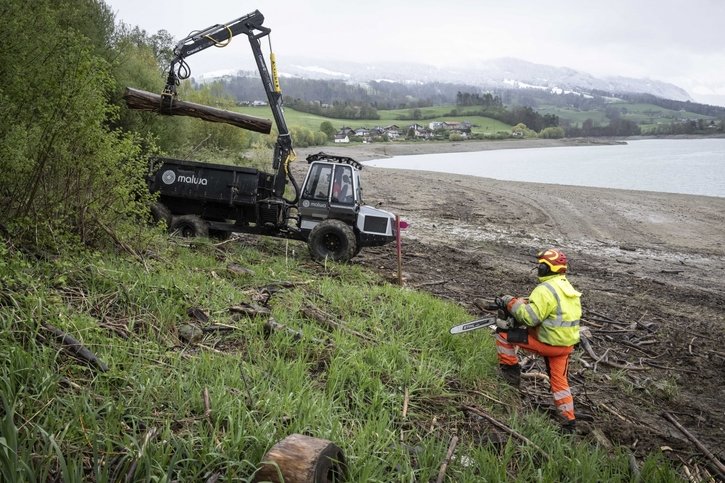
(175, 407)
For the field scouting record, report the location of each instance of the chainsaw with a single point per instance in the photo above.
(486, 321)
(514, 334)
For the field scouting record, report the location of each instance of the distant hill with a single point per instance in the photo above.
(503, 73)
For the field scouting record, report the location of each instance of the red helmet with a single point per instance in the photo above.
(555, 259)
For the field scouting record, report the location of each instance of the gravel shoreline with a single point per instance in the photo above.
(367, 152)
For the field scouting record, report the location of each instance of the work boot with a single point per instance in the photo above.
(568, 427)
(511, 374)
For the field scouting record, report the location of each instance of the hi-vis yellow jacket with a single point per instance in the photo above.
(554, 308)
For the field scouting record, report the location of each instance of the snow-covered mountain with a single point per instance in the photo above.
(491, 74)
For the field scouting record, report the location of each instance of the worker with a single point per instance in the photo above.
(550, 321)
(341, 190)
(337, 185)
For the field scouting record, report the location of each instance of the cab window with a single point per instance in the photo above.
(318, 183)
(342, 187)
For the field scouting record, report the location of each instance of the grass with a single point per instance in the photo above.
(640, 113)
(146, 418)
(399, 117)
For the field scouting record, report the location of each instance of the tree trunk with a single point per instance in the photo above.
(303, 459)
(148, 101)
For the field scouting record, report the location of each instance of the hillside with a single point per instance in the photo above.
(636, 113)
(131, 354)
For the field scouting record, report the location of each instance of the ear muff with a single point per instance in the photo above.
(543, 270)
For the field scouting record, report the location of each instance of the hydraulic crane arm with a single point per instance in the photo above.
(219, 35)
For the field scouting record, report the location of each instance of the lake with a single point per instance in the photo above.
(689, 166)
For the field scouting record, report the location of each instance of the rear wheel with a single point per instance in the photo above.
(189, 226)
(159, 213)
(332, 240)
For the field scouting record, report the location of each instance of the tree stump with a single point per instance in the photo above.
(303, 459)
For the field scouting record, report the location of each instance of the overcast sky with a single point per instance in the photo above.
(681, 42)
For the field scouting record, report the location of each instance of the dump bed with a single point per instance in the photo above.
(206, 182)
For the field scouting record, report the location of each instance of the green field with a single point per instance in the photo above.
(644, 114)
(398, 117)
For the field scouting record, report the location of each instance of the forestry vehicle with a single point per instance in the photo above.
(197, 199)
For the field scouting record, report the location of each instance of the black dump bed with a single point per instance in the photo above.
(211, 191)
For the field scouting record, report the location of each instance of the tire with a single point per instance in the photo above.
(189, 226)
(332, 240)
(159, 213)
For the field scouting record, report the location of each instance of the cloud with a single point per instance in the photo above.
(667, 40)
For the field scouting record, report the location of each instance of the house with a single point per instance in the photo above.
(464, 126)
(362, 132)
(418, 132)
(392, 131)
(341, 138)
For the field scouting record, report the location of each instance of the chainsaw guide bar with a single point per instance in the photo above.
(473, 325)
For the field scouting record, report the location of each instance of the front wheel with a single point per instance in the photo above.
(189, 226)
(332, 240)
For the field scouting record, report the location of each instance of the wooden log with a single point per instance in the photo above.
(72, 345)
(148, 101)
(717, 464)
(303, 459)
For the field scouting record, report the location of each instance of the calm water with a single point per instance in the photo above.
(690, 166)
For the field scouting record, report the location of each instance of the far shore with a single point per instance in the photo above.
(371, 151)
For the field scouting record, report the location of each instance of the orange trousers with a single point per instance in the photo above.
(557, 365)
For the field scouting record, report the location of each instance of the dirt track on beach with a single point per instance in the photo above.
(651, 267)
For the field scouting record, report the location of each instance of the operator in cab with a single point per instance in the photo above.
(547, 324)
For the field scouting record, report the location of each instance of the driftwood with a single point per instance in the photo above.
(250, 310)
(719, 466)
(588, 348)
(76, 348)
(406, 400)
(503, 427)
(447, 460)
(634, 469)
(330, 322)
(148, 101)
(273, 326)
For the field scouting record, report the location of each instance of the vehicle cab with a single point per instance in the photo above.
(332, 190)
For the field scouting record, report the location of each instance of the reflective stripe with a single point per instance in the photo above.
(505, 350)
(566, 407)
(534, 318)
(562, 394)
(558, 321)
(501, 339)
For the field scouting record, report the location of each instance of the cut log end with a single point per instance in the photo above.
(303, 459)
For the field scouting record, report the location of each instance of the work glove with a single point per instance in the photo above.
(502, 301)
(505, 324)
